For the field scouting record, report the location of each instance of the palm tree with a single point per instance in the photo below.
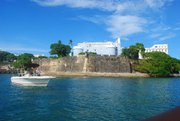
(71, 44)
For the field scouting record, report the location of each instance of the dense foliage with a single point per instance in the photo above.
(60, 49)
(88, 53)
(23, 60)
(133, 51)
(6, 56)
(158, 64)
(40, 57)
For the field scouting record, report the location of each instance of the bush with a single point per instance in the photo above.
(158, 64)
(88, 53)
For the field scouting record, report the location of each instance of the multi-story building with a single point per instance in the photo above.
(158, 48)
(100, 48)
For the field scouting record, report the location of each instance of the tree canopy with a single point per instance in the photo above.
(40, 57)
(59, 49)
(23, 60)
(133, 51)
(158, 64)
(6, 56)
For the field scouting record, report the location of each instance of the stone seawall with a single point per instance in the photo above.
(107, 64)
(66, 64)
(4, 67)
(110, 64)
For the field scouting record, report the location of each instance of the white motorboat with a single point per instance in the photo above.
(31, 80)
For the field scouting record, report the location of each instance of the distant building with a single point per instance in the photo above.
(100, 48)
(158, 48)
(38, 55)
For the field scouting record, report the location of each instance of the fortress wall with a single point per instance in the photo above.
(109, 64)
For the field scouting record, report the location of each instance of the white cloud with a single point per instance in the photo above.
(125, 17)
(160, 28)
(154, 35)
(8, 48)
(120, 25)
(163, 32)
(111, 5)
(125, 25)
(156, 4)
(169, 36)
(94, 19)
(177, 28)
(105, 4)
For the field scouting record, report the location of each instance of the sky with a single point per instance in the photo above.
(31, 26)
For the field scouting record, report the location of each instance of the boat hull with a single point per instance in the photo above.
(31, 81)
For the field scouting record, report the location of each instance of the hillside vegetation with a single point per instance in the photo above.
(156, 64)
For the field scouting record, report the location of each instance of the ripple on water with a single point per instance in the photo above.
(89, 99)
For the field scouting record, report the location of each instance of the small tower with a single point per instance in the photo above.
(140, 55)
(118, 45)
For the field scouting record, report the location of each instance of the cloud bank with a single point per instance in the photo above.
(13, 48)
(109, 5)
(127, 17)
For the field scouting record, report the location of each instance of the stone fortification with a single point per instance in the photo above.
(5, 67)
(66, 64)
(108, 64)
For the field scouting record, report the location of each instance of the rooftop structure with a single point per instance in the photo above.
(100, 48)
(158, 48)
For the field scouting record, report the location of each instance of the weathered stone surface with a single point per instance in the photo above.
(5, 67)
(110, 64)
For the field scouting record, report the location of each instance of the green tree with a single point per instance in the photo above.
(23, 60)
(60, 49)
(11, 57)
(133, 51)
(40, 57)
(158, 64)
(6, 56)
(140, 46)
(175, 65)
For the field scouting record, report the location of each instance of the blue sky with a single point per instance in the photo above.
(32, 25)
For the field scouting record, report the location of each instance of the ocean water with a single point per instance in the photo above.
(88, 99)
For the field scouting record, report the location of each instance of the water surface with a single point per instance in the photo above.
(90, 99)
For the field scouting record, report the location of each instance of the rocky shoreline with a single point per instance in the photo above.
(95, 74)
(176, 75)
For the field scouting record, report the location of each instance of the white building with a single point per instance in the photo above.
(100, 48)
(158, 48)
(38, 55)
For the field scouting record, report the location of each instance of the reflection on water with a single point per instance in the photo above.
(89, 99)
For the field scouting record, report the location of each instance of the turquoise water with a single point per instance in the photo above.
(88, 99)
